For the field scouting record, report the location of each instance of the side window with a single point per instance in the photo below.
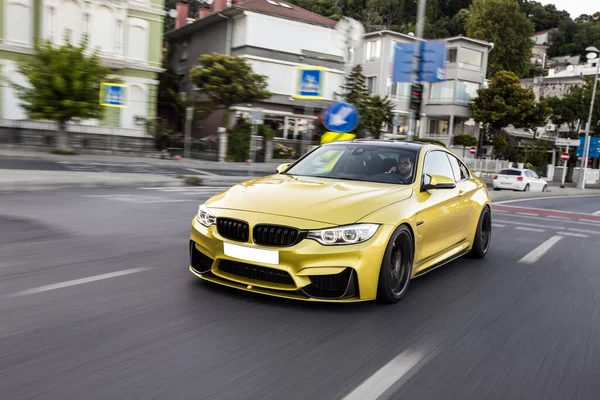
(437, 163)
(455, 168)
(464, 171)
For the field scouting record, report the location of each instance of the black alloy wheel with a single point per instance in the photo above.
(396, 268)
(483, 235)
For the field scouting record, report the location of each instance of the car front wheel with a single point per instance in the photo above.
(483, 235)
(396, 267)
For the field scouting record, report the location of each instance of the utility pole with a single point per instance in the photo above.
(416, 75)
(586, 144)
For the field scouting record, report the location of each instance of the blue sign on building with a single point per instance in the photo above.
(113, 95)
(310, 84)
(594, 147)
(431, 68)
(340, 117)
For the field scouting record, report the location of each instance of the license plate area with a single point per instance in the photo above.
(251, 254)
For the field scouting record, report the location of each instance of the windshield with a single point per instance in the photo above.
(360, 162)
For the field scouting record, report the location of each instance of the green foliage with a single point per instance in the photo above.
(171, 106)
(238, 141)
(574, 107)
(572, 38)
(464, 140)
(505, 102)
(228, 80)
(380, 111)
(164, 137)
(502, 23)
(500, 146)
(64, 82)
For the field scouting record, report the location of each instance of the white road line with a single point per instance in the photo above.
(542, 198)
(557, 217)
(201, 172)
(78, 281)
(596, 213)
(386, 377)
(539, 251)
(498, 225)
(523, 213)
(527, 224)
(584, 231)
(524, 228)
(580, 235)
(589, 220)
(500, 211)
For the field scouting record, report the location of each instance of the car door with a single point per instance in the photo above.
(467, 188)
(535, 179)
(438, 218)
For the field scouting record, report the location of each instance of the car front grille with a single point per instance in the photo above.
(256, 272)
(233, 229)
(275, 235)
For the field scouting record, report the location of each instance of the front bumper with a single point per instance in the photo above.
(306, 271)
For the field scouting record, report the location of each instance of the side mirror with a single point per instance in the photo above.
(437, 182)
(282, 167)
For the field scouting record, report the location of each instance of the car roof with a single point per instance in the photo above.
(403, 144)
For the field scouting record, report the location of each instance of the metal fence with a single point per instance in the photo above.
(25, 133)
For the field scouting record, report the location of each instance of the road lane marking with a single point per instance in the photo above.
(590, 220)
(539, 251)
(74, 282)
(580, 235)
(543, 198)
(498, 225)
(524, 228)
(527, 224)
(201, 172)
(596, 213)
(570, 221)
(524, 213)
(378, 383)
(557, 217)
(584, 231)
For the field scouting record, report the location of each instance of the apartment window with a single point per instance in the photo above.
(470, 58)
(452, 56)
(184, 51)
(398, 90)
(466, 91)
(371, 82)
(442, 91)
(394, 44)
(373, 50)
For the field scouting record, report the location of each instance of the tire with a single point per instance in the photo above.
(396, 266)
(526, 188)
(481, 242)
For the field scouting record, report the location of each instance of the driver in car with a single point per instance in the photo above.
(403, 168)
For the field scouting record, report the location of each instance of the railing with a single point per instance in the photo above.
(484, 167)
(27, 133)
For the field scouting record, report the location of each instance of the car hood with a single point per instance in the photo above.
(323, 200)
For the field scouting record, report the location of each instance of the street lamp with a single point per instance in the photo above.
(592, 54)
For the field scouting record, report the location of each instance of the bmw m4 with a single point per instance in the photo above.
(349, 221)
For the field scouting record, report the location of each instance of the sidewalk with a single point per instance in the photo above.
(155, 161)
(27, 180)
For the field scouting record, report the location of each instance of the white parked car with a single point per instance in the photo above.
(519, 179)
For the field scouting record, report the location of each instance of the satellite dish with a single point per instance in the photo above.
(349, 33)
(173, 13)
(209, 2)
(591, 56)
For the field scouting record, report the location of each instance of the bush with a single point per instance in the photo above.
(238, 143)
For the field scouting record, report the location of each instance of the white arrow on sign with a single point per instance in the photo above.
(340, 117)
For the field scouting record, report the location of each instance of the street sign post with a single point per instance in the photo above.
(256, 118)
(340, 117)
(564, 157)
(113, 95)
(310, 83)
(473, 150)
(594, 147)
(567, 142)
(189, 115)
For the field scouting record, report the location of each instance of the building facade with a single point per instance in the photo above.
(445, 108)
(276, 38)
(128, 34)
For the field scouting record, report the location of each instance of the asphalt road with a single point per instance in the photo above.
(138, 167)
(96, 302)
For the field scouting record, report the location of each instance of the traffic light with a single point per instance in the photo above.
(416, 94)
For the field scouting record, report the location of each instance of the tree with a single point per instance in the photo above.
(380, 112)
(464, 141)
(354, 91)
(64, 84)
(569, 110)
(505, 102)
(171, 106)
(502, 23)
(228, 80)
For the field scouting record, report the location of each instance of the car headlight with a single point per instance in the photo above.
(204, 217)
(349, 234)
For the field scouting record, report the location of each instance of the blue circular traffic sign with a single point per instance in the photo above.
(340, 117)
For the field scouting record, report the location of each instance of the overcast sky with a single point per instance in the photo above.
(575, 7)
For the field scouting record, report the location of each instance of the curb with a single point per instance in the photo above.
(39, 187)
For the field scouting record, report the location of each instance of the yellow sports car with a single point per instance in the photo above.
(349, 221)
